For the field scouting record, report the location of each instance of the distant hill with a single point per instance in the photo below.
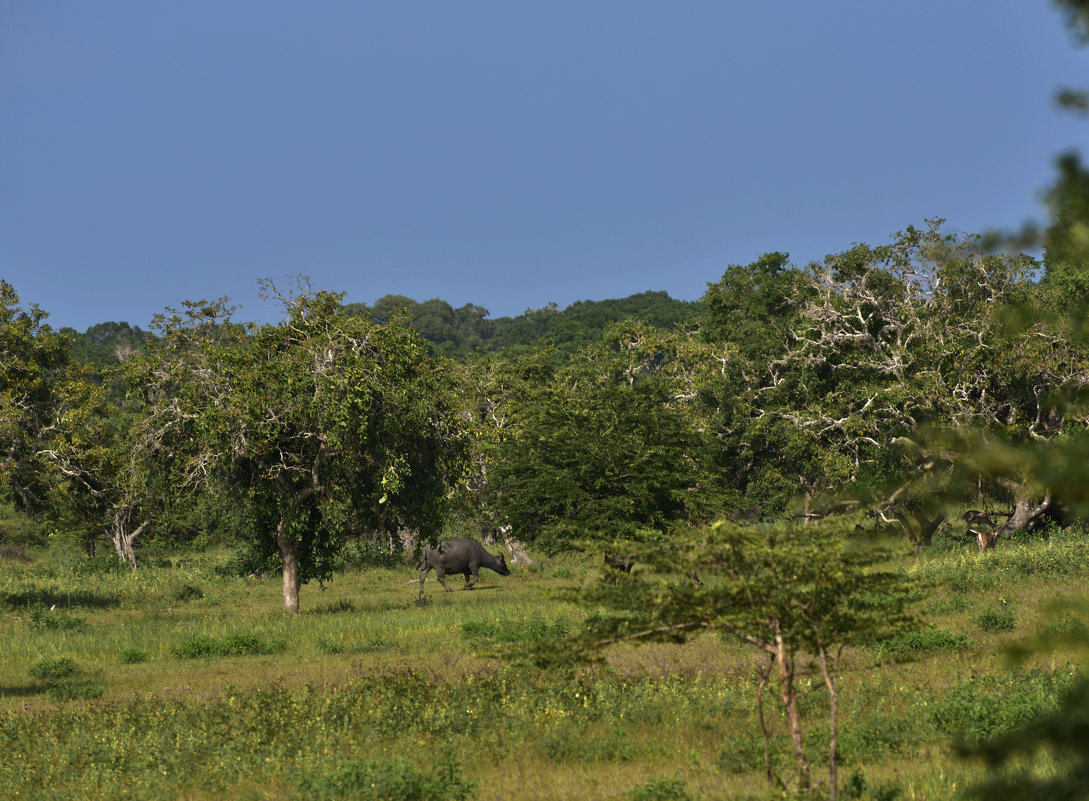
(456, 333)
(106, 344)
(462, 331)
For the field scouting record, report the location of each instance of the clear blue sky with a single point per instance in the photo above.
(505, 153)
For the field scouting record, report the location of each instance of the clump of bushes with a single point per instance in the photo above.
(188, 592)
(912, 644)
(53, 674)
(50, 670)
(133, 656)
(981, 707)
(373, 642)
(50, 620)
(236, 644)
(390, 779)
(508, 630)
(1001, 618)
(662, 788)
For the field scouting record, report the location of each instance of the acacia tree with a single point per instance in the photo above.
(604, 447)
(320, 425)
(786, 591)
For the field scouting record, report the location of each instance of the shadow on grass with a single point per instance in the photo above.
(51, 597)
(24, 691)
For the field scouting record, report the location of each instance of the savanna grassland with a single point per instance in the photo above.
(186, 680)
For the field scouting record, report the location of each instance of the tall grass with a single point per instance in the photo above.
(185, 679)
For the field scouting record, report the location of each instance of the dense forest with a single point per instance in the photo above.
(785, 393)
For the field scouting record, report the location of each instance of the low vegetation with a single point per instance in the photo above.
(213, 692)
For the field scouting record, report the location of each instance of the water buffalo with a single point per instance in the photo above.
(461, 555)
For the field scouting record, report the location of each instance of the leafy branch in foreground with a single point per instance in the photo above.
(786, 591)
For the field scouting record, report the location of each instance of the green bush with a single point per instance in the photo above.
(1000, 618)
(188, 592)
(389, 779)
(102, 565)
(981, 707)
(42, 618)
(582, 744)
(925, 641)
(236, 644)
(343, 605)
(661, 788)
(133, 656)
(83, 691)
(361, 554)
(54, 669)
(745, 754)
(373, 642)
(510, 630)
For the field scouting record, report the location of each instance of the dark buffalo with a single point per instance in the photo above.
(461, 555)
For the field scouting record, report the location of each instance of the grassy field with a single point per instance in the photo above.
(185, 681)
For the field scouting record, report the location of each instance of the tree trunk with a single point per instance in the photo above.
(830, 681)
(790, 702)
(123, 538)
(763, 724)
(1025, 510)
(290, 558)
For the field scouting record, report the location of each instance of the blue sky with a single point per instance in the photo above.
(506, 153)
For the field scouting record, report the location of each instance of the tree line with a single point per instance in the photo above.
(786, 393)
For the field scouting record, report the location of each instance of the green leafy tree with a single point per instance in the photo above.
(785, 591)
(33, 374)
(320, 425)
(602, 448)
(902, 337)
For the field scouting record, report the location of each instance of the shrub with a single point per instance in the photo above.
(509, 630)
(373, 642)
(343, 605)
(661, 789)
(746, 754)
(75, 692)
(133, 656)
(998, 619)
(54, 669)
(188, 592)
(573, 743)
(389, 779)
(236, 644)
(981, 707)
(47, 620)
(103, 565)
(361, 554)
(926, 641)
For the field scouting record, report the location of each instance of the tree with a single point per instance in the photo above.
(320, 425)
(786, 591)
(917, 334)
(33, 363)
(603, 448)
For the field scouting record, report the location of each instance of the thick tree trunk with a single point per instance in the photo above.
(123, 538)
(1025, 510)
(290, 558)
(789, 694)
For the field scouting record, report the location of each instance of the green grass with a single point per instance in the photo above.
(186, 680)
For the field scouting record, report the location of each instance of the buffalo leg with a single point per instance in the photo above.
(440, 574)
(470, 579)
